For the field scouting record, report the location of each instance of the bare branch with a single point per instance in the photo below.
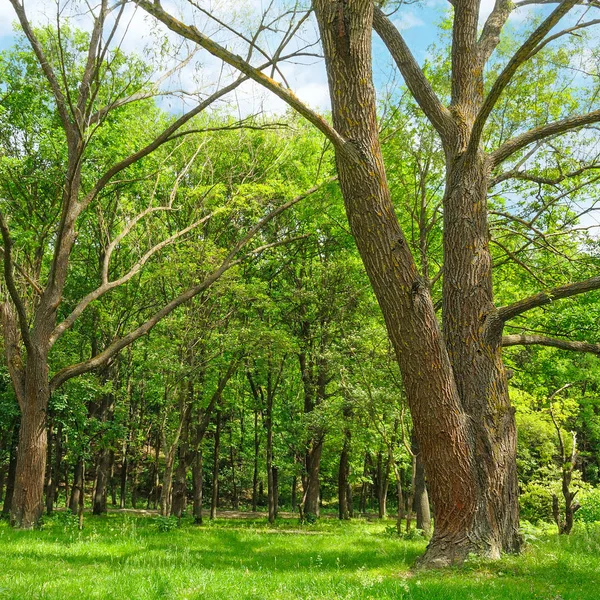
(229, 261)
(106, 285)
(61, 103)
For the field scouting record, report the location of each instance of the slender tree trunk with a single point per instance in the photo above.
(294, 492)
(255, 472)
(270, 480)
(102, 477)
(123, 473)
(77, 489)
(362, 505)
(421, 503)
(215, 476)
(343, 474)
(54, 469)
(234, 490)
(197, 478)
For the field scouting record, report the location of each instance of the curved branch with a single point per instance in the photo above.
(61, 102)
(12, 286)
(542, 340)
(229, 262)
(414, 77)
(520, 56)
(490, 35)
(539, 133)
(191, 33)
(510, 311)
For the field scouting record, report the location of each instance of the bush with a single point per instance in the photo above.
(536, 502)
(166, 523)
(590, 507)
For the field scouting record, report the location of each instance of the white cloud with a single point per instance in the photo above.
(408, 21)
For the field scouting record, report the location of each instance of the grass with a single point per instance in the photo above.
(137, 558)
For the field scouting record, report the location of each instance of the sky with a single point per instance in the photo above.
(418, 23)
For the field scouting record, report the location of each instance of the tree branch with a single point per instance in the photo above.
(12, 286)
(566, 291)
(61, 103)
(414, 77)
(229, 261)
(542, 340)
(190, 32)
(505, 77)
(539, 133)
(490, 35)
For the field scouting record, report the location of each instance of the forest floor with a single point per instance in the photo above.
(136, 557)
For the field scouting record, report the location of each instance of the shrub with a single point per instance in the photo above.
(536, 502)
(590, 507)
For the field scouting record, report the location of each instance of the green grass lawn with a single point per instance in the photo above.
(129, 557)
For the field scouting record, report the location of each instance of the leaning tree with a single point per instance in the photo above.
(454, 376)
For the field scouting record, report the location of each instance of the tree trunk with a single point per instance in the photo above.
(465, 430)
(197, 479)
(294, 492)
(215, 475)
(270, 479)
(54, 471)
(343, 475)
(12, 470)
(255, 472)
(28, 496)
(77, 489)
(421, 503)
(123, 474)
(473, 336)
(102, 476)
(313, 466)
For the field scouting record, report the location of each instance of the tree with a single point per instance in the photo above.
(455, 382)
(87, 84)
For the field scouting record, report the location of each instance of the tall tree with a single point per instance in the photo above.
(455, 382)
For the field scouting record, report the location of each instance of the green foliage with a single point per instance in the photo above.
(589, 512)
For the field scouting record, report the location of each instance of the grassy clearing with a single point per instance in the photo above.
(129, 557)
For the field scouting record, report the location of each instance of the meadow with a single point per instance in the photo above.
(121, 556)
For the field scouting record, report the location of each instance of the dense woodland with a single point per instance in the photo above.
(204, 312)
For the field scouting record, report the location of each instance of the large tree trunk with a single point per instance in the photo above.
(442, 427)
(473, 336)
(28, 496)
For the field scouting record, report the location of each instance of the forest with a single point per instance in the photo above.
(289, 309)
